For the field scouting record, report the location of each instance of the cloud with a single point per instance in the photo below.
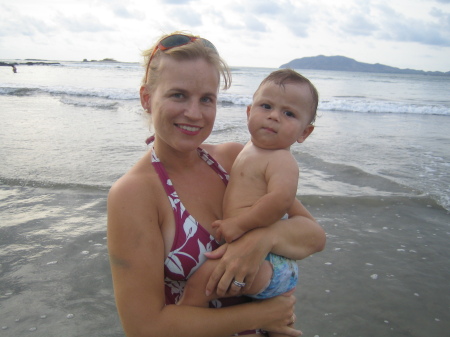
(383, 22)
(123, 9)
(298, 18)
(360, 25)
(265, 7)
(175, 2)
(16, 24)
(85, 23)
(125, 13)
(268, 16)
(254, 24)
(190, 18)
(360, 20)
(398, 27)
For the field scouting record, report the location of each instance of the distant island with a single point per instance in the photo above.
(342, 63)
(104, 60)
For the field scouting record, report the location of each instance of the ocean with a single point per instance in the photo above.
(375, 170)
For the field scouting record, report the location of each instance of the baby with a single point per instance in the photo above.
(263, 181)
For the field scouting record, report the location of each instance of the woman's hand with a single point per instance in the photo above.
(240, 261)
(281, 316)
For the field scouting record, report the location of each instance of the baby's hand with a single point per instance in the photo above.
(227, 229)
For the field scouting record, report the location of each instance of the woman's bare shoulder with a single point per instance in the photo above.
(136, 180)
(136, 193)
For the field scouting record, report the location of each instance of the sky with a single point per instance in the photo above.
(411, 34)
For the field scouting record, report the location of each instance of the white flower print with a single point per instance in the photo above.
(190, 228)
(176, 287)
(174, 264)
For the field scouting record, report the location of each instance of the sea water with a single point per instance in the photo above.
(68, 131)
(82, 123)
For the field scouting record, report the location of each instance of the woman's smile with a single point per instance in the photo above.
(189, 128)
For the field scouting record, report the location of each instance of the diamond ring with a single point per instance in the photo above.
(239, 284)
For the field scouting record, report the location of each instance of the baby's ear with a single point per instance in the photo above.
(249, 107)
(308, 130)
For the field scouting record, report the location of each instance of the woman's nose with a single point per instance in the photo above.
(192, 110)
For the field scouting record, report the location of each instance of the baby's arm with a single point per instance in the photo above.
(281, 177)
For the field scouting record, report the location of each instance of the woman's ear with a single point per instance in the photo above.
(145, 98)
(308, 130)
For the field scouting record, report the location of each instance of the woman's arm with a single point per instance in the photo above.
(295, 238)
(136, 249)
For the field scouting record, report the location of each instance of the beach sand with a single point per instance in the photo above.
(54, 269)
(384, 271)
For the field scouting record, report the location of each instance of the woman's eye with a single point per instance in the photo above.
(178, 95)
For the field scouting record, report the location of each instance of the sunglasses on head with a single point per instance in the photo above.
(176, 40)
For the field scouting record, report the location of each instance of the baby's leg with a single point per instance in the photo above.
(194, 291)
(262, 278)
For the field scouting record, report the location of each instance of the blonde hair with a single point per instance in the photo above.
(190, 51)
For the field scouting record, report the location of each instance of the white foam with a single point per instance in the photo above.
(371, 106)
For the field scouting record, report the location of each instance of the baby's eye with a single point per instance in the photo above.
(289, 114)
(266, 106)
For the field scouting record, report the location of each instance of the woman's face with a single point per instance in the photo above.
(183, 102)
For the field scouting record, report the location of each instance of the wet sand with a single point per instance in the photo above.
(385, 270)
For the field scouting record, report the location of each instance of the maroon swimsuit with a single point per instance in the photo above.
(191, 240)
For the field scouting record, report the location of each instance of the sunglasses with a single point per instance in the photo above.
(176, 40)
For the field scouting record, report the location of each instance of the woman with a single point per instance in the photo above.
(155, 239)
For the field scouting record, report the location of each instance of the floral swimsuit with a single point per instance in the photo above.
(191, 240)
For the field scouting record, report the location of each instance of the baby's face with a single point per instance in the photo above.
(280, 115)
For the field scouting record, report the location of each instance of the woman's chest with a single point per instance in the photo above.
(190, 210)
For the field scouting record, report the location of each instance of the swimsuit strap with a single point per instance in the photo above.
(214, 165)
(179, 210)
(202, 154)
